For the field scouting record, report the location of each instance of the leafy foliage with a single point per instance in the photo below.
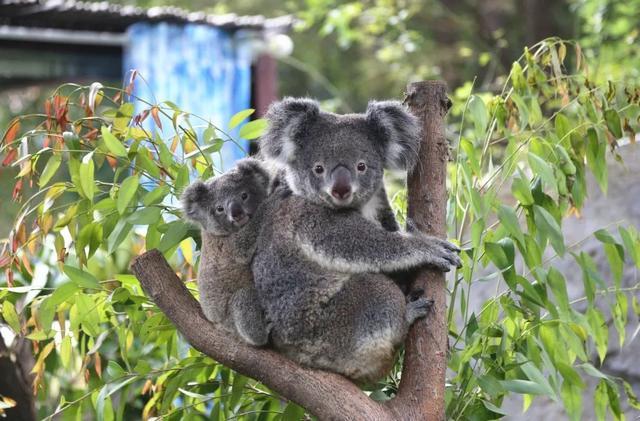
(108, 188)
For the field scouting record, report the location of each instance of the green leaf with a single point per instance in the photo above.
(534, 374)
(509, 219)
(86, 173)
(523, 386)
(613, 122)
(88, 315)
(106, 391)
(292, 412)
(239, 117)
(112, 143)
(239, 381)
(596, 158)
(118, 235)
(144, 162)
(114, 370)
(253, 129)
(559, 287)
(563, 127)
(81, 278)
(127, 192)
(547, 224)
(156, 195)
(177, 232)
(65, 351)
(521, 191)
(10, 316)
(541, 168)
(50, 169)
(145, 216)
(479, 116)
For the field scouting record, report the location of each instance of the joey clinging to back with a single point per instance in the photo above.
(229, 210)
(346, 154)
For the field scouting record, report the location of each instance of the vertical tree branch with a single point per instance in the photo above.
(421, 393)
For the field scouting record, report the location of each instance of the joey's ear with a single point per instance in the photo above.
(255, 168)
(287, 119)
(194, 201)
(397, 130)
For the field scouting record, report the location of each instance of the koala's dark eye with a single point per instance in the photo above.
(244, 196)
(318, 169)
(219, 209)
(361, 166)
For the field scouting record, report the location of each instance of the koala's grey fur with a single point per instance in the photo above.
(225, 280)
(319, 264)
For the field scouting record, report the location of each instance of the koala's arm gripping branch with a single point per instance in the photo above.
(350, 243)
(326, 395)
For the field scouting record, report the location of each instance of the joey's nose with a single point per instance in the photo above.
(236, 211)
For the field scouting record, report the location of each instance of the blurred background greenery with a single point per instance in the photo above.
(347, 52)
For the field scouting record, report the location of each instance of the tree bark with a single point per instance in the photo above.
(421, 392)
(16, 380)
(326, 395)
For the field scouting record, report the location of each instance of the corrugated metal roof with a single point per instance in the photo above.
(107, 17)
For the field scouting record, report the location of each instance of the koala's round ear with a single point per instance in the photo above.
(398, 131)
(253, 167)
(194, 201)
(287, 118)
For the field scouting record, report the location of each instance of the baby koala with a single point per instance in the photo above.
(228, 209)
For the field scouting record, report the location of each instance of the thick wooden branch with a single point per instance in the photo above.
(421, 392)
(328, 396)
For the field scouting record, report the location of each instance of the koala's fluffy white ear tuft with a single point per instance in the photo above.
(194, 200)
(399, 132)
(287, 118)
(255, 168)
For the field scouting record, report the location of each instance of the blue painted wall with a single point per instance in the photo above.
(203, 70)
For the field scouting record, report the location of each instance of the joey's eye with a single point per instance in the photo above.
(361, 166)
(318, 169)
(244, 196)
(219, 209)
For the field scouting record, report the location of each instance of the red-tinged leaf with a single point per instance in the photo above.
(5, 259)
(12, 131)
(47, 107)
(98, 364)
(91, 134)
(27, 264)
(113, 162)
(117, 96)
(46, 142)
(129, 88)
(17, 189)
(174, 144)
(138, 119)
(11, 156)
(9, 275)
(156, 117)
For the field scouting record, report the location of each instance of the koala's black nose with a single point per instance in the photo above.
(341, 188)
(236, 211)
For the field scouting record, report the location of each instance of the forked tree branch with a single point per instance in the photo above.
(326, 395)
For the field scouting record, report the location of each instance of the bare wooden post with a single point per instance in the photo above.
(421, 393)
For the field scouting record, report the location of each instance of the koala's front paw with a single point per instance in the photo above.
(443, 254)
(418, 309)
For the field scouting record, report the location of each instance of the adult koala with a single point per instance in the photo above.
(321, 251)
